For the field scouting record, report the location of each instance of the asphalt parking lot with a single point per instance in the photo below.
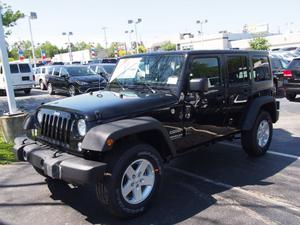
(218, 185)
(28, 103)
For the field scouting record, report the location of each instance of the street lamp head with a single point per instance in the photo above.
(33, 15)
(126, 31)
(139, 20)
(130, 21)
(70, 33)
(64, 33)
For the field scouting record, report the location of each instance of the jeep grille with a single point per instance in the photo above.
(56, 129)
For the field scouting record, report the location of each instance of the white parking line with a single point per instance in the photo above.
(268, 152)
(253, 194)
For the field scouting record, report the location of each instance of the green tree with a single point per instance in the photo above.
(9, 17)
(142, 49)
(82, 46)
(259, 43)
(50, 49)
(168, 46)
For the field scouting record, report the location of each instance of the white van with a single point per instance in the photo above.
(22, 77)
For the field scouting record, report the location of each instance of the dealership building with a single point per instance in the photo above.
(227, 40)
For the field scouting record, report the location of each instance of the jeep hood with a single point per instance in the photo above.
(108, 105)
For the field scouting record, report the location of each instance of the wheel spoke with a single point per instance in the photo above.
(142, 167)
(137, 193)
(147, 180)
(130, 172)
(127, 188)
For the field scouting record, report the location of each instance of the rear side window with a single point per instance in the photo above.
(24, 68)
(206, 68)
(238, 71)
(43, 70)
(295, 64)
(261, 68)
(14, 68)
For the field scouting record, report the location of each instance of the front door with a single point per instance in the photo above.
(203, 112)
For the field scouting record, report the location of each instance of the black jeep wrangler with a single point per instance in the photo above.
(156, 107)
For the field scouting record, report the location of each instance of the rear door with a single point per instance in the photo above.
(55, 79)
(238, 81)
(26, 73)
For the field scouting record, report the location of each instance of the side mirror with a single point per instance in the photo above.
(199, 85)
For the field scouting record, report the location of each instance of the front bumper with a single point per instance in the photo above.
(58, 165)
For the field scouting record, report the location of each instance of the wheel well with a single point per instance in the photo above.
(271, 109)
(151, 137)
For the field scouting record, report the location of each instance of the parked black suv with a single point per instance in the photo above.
(156, 107)
(292, 79)
(74, 79)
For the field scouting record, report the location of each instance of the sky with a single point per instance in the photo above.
(161, 19)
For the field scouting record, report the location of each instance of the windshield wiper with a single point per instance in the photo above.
(148, 86)
(118, 83)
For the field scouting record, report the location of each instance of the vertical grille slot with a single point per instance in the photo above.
(56, 129)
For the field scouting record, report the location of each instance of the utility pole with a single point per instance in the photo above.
(105, 37)
(139, 20)
(6, 70)
(32, 16)
(69, 44)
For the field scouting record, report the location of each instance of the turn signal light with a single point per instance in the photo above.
(110, 142)
(287, 73)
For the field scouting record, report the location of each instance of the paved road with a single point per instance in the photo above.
(219, 185)
(28, 103)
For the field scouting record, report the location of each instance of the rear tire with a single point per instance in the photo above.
(42, 85)
(257, 140)
(72, 90)
(290, 96)
(27, 91)
(124, 192)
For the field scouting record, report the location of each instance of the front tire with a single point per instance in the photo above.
(134, 179)
(72, 90)
(50, 89)
(257, 140)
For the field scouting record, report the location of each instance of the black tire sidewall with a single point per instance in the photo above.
(253, 147)
(114, 184)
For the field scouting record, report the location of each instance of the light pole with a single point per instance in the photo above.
(201, 25)
(32, 16)
(105, 37)
(139, 20)
(69, 44)
(12, 106)
(129, 32)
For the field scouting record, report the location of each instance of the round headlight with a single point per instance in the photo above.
(40, 117)
(81, 126)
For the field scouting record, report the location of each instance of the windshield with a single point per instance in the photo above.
(77, 71)
(150, 71)
(109, 68)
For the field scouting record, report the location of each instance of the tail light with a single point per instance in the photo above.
(287, 73)
(33, 77)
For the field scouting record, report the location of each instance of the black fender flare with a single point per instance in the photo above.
(95, 139)
(254, 106)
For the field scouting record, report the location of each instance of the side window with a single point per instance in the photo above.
(24, 68)
(56, 71)
(261, 68)
(1, 70)
(14, 68)
(37, 71)
(238, 71)
(43, 70)
(207, 68)
(50, 71)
